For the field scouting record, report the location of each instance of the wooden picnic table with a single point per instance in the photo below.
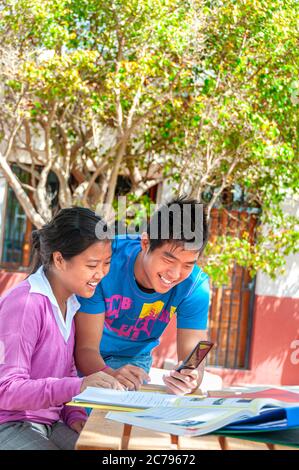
(103, 434)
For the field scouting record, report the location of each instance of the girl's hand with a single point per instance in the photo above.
(77, 426)
(101, 380)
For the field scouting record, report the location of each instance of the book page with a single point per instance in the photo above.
(182, 421)
(150, 400)
(126, 399)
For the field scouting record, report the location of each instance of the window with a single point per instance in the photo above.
(17, 227)
(231, 310)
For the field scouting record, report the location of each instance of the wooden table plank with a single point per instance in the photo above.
(100, 433)
(146, 439)
(207, 442)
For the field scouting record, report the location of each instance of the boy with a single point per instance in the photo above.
(151, 278)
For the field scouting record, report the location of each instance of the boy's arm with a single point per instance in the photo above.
(187, 380)
(187, 339)
(89, 324)
(192, 315)
(89, 330)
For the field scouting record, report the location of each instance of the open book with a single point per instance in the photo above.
(234, 415)
(193, 415)
(132, 400)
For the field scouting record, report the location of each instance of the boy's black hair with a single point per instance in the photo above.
(182, 221)
(71, 231)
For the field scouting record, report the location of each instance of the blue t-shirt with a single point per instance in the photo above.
(134, 319)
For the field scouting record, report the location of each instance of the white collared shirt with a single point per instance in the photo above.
(40, 285)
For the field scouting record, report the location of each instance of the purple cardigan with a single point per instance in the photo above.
(37, 371)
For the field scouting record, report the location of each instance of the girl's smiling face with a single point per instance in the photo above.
(82, 273)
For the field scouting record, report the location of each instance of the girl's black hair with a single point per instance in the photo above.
(71, 231)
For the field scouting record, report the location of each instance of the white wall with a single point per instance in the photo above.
(282, 286)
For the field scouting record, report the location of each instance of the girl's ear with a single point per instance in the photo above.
(145, 242)
(58, 260)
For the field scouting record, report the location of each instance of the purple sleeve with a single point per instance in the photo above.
(70, 414)
(19, 392)
(20, 328)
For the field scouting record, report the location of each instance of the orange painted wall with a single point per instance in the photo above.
(274, 346)
(9, 279)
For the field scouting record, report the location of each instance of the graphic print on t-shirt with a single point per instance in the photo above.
(144, 323)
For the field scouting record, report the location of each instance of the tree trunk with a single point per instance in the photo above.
(21, 195)
(143, 187)
(64, 195)
(81, 178)
(41, 197)
(115, 172)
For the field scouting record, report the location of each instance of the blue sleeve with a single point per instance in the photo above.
(192, 312)
(94, 304)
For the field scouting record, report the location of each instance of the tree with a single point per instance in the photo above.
(78, 72)
(241, 129)
(202, 93)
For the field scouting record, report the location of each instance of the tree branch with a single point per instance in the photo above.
(21, 195)
(222, 187)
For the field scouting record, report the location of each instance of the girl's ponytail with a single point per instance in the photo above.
(36, 258)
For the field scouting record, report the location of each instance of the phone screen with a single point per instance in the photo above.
(196, 356)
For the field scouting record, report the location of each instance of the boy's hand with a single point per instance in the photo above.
(131, 377)
(185, 381)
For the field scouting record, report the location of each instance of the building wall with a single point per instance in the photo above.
(274, 357)
(275, 342)
(10, 279)
(275, 336)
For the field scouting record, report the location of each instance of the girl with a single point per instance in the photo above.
(37, 371)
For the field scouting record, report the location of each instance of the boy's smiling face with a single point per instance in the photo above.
(165, 266)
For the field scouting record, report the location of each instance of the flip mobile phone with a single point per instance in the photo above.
(196, 356)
